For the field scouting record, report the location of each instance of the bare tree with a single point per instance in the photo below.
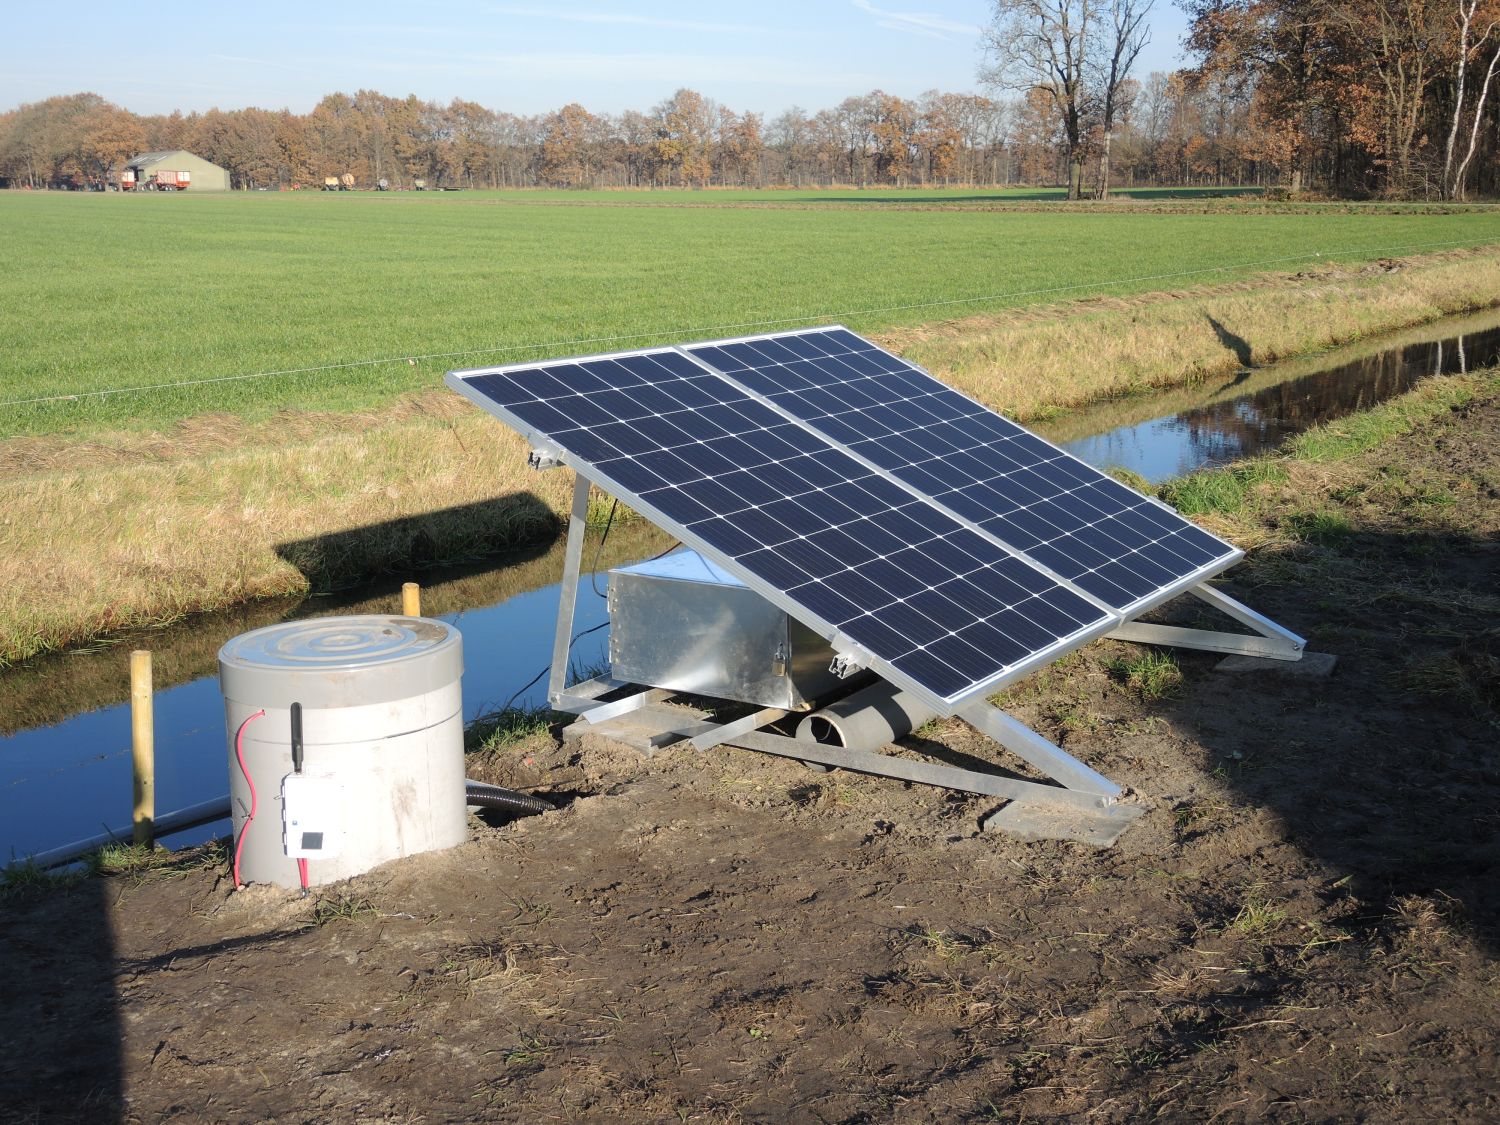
(1043, 46)
(1469, 43)
(1128, 34)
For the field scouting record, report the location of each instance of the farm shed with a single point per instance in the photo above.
(177, 170)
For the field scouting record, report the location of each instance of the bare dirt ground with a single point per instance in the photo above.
(1305, 926)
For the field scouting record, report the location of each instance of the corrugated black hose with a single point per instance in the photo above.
(495, 797)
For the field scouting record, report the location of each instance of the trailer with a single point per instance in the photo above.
(168, 180)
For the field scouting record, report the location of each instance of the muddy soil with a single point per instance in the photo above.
(1304, 927)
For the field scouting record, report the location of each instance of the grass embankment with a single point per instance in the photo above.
(212, 288)
(46, 691)
(1350, 511)
(127, 529)
(1388, 515)
(1032, 364)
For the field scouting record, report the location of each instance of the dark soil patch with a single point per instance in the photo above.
(1304, 927)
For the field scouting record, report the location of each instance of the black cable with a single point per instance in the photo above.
(599, 551)
(593, 580)
(529, 683)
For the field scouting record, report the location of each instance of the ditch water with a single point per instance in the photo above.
(1165, 434)
(65, 720)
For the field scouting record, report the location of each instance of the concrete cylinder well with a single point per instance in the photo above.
(382, 719)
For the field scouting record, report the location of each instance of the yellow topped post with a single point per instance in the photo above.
(143, 746)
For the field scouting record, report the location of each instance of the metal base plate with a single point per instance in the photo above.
(648, 728)
(1101, 827)
(1044, 812)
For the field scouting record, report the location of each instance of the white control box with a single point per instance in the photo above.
(312, 816)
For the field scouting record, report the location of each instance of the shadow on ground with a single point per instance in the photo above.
(340, 559)
(1388, 771)
(62, 1058)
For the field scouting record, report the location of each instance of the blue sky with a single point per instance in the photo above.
(527, 56)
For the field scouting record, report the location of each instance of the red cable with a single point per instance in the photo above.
(239, 752)
(302, 872)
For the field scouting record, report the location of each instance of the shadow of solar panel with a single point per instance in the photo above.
(939, 608)
(1107, 540)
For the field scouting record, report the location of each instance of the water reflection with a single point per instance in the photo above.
(65, 765)
(1256, 411)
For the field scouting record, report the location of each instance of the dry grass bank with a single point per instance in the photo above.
(130, 529)
(1035, 362)
(112, 544)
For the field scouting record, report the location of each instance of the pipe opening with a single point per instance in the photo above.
(825, 732)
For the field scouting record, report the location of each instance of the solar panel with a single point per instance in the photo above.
(1075, 522)
(939, 608)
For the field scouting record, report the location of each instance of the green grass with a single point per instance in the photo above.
(1223, 490)
(110, 291)
(501, 729)
(1149, 673)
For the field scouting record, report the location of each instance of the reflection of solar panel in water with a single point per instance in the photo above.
(942, 609)
(1081, 525)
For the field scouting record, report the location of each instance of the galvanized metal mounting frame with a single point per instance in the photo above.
(1080, 791)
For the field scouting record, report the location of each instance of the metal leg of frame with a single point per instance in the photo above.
(1270, 641)
(603, 712)
(726, 732)
(924, 773)
(567, 603)
(1031, 747)
(578, 698)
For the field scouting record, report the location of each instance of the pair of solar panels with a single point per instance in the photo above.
(938, 543)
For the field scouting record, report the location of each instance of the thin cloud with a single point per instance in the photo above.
(699, 71)
(267, 63)
(916, 23)
(619, 18)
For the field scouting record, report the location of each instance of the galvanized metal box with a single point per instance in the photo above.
(683, 624)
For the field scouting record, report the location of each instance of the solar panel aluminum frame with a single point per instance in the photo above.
(1125, 614)
(546, 453)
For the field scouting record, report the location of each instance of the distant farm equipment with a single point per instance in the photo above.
(163, 179)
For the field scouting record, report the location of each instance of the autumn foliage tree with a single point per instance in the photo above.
(1359, 96)
(1355, 96)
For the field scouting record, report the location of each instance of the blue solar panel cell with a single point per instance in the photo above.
(1106, 540)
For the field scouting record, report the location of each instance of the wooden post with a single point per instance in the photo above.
(143, 746)
(411, 600)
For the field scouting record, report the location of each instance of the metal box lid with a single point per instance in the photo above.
(685, 565)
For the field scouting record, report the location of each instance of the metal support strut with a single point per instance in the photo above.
(1270, 641)
(567, 603)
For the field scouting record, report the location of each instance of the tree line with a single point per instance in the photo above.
(1357, 97)
(1360, 98)
(1163, 135)
(1353, 98)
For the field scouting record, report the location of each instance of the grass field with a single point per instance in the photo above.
(106, 292)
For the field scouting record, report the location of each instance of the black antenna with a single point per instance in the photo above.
(296, 738)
